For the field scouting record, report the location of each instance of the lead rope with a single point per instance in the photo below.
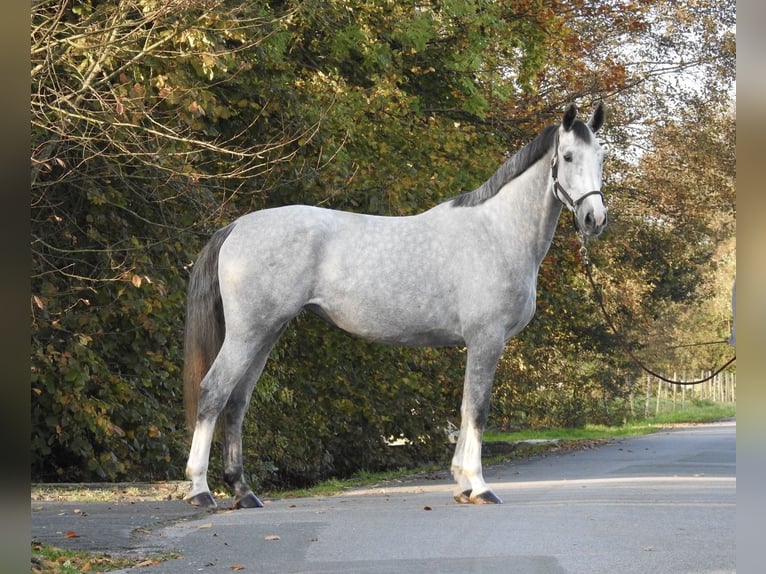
(600, 300)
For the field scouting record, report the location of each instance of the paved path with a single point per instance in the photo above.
(662, 503)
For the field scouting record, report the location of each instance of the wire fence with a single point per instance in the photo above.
(660, 396)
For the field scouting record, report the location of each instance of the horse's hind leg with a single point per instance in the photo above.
(231, 422)
(213, 396)
(230, 368)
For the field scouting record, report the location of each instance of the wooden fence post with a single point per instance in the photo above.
(648, 391)
(675, 390)
(659, 395)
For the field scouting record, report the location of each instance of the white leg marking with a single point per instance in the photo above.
(199, 455)
(466, 464)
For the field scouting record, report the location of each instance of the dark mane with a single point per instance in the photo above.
(514, 166)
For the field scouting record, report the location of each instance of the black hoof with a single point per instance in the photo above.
(486, 497)
(463, 497)
(248, 501)
(202, 500)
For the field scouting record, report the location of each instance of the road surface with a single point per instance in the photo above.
(661, 503)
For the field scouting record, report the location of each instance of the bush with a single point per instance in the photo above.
(106, 401)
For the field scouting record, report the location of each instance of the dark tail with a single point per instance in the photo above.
(205, 328)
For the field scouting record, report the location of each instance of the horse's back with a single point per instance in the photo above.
(428, 279)
(374, 276)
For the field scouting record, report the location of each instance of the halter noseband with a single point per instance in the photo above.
(558, 190)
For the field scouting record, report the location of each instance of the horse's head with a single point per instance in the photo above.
(576, 167)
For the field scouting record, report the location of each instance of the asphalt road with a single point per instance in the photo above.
(661, 503)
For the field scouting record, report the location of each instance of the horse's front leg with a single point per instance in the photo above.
(477, 390)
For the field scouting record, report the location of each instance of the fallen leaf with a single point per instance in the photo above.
(237, 567)
(427, 508)
(71, 534)
(272, 537)
(208, 525)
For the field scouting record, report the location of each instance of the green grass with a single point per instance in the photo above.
(697, 412)
(589, 432)
(334, 486)
(48, 559)
(110, 491)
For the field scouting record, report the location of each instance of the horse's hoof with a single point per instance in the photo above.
(463, 497)
(202, 500)
(486, 497)
(250, 500)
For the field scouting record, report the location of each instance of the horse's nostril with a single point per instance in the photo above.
(589, 220)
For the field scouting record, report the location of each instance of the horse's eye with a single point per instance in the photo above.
(568, 156)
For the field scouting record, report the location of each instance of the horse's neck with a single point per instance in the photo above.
(526, 212)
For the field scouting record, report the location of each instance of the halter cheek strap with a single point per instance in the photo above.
(558, 190)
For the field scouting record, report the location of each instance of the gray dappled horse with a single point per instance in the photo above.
(461, 273)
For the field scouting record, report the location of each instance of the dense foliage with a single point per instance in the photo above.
(156, 122)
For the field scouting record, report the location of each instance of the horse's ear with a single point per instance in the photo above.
(569, 117)
(597, 119)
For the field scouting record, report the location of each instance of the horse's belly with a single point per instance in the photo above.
(390, 290)
(385, 324)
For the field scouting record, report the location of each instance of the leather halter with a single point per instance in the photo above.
(558, 190)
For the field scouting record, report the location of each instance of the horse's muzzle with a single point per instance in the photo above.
(591, 217)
